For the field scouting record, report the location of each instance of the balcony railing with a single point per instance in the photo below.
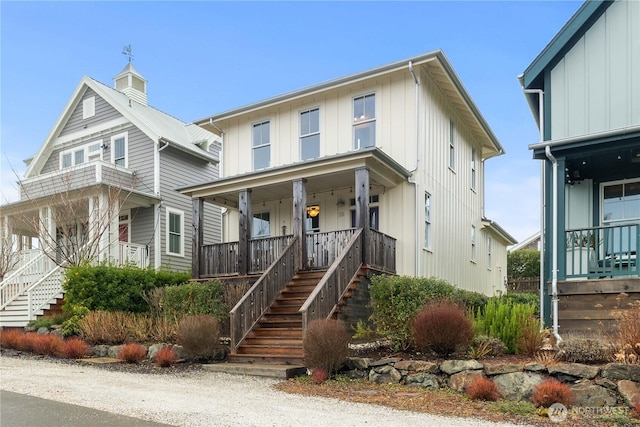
(133, 254)
(599, 252)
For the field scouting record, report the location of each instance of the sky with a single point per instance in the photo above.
(202, 58)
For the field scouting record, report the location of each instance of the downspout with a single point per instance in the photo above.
(540, 93)
(554, 242)
(415, 168)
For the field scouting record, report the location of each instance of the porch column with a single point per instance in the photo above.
(299, 221)
(104, 224)
(197, 218)
(114, 229)
(244, 207)
(362, 209)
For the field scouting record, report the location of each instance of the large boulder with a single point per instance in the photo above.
(592, 395)
(502, 368)
(454, 366)
(422, 379)
(517, 385)
(621, 371)
(385, 375)
(406, 366)
(577, 370)
(630, 391)
(459, 382)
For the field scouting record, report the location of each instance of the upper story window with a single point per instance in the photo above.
(88, 107)
(452, 145)
(79, 155)
(261, 143)
(310, 134)
(175, 232)
(427, 221)
(364, 121)
(119, 150)
(473, 168)
(473, 243)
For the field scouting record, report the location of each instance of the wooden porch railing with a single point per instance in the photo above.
(325, 297)
(262, 252)
(607, 251)
(324, 248)
(262, 294)
(219, 259)
(381, 251)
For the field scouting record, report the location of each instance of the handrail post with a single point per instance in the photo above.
(299, 221)
(244, 207)
(197, 220)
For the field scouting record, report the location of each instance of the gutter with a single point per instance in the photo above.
(592, 136)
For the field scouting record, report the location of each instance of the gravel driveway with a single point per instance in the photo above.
(198, 398)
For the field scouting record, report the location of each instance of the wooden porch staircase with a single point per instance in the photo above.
(277, 337)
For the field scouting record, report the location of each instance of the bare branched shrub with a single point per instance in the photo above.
(154, 298)
(233, 292)
(163, 329)
(627, 334)
(105, 327)
(8, 256)
(325, 345)
(199, 336)
(442, 327)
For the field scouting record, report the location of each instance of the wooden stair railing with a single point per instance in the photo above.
(324, 299)
(262, 294)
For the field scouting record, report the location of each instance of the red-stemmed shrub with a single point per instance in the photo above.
(9, 338)
(552, 391)
(132, 352)
(442, 327)
(47, 345)
(483, 389)
(73, 348)
(25, 341)
(319, 376)
(166, 357)
(325, 345)
(636, 410)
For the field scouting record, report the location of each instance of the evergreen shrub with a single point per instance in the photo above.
(504, 319)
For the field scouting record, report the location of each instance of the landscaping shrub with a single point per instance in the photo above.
(319, 376)
(523, 298)
(627, 334)
(503, 319)
(397, 299)
(199, 336)
(105, 327)
(73, 348)
(483, 389)
(523, 263)
(233, 293)
(552, 391)
(636, 410)
(325, 345)
(530, 337)
(74, 312)
(483, 345)
(132, 352)
(105, 287)
(9, 338)
(48, 321)
(166, 357)
(25, 341)
(47, 345)
(584, 350)
(195, 299)
(163, 329)
(442, 327)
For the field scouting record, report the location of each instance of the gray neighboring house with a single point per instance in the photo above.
(120, 161)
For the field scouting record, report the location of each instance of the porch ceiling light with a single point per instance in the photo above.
(313, 211)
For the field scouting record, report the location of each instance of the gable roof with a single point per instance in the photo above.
(435, 62)
(158, 126)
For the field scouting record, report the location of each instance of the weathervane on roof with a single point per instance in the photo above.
(127, 52)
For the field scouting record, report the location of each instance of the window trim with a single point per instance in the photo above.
(114, 138)
(373, 120)
(622, 182)
(489, 253)
(452, 145)
(253, 147)
(87, 155)
(88, 107)
(301, 137)
(428, 234)
(474, 248)
(474, 169)
(168, 212)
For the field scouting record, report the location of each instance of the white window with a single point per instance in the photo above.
(119, 150)
(65, 160)
(88, 107)
(452, 145)
(427, 221)
(364, 121)
(473, 168)
(489, 252)
(94, 151)
(79, 155)
(261, 226)
(261, 142)
(620, 202)
(175, 232)
(310, 134)
(473, 243)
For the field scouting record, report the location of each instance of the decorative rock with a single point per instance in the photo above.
(179, 350)
(620, 371)
(43, 331)
(382, 362)
(502, 368)
(606, 383)
(630, 391)
(355, 374)
(577, 370)
(385, 375)
(422, 379)
(517, 385)
(454, 366)
(357, 363)
(56, 327)
(587, 394)
(534, 367)
(154, 349)
(113, 351)
(57, 332)
(461, 380)
(30, 328)
(416, 366)
(100, 350)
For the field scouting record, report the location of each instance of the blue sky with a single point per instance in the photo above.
(202, 58)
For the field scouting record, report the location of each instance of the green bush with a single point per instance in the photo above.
(504, 319)
(396, 300)
(523, 263)
(105, 287)
(194, 299)
(523, 298)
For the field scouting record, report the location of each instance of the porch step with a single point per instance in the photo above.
(266, 359)
(15, 315)
(279, 371)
